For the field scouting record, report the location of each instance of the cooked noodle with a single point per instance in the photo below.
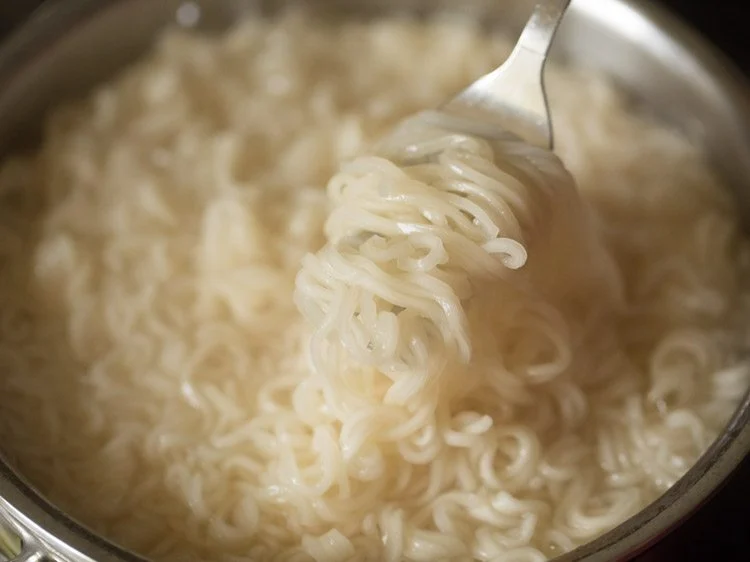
(491, 363)
(433, 218)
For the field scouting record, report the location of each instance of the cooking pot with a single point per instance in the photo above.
(70, 45)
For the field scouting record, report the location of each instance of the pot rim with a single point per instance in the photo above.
(44, 528)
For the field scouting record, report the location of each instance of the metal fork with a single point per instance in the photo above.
(513, 96)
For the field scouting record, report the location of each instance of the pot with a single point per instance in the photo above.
(69, 46)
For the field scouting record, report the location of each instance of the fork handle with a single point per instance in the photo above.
(513, 96)
(540, 30)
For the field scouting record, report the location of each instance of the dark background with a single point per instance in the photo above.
(720, 531)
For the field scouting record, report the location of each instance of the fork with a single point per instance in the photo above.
(512, 97)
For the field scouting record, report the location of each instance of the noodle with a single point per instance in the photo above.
(407, 245)
(491, 364)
